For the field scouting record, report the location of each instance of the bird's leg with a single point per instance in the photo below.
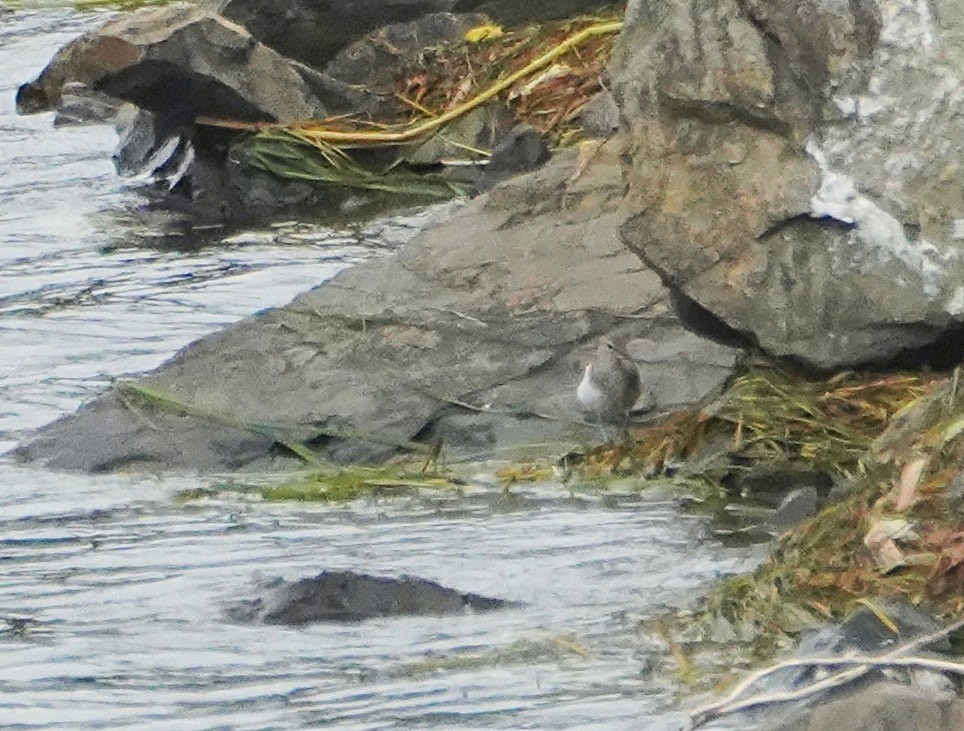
(601, 425)
(624, 431)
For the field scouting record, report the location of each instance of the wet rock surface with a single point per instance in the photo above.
(796, 167)
(476, 333)
(347, 596)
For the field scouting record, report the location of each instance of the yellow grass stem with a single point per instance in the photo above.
(305, 132)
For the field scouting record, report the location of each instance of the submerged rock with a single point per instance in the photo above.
(474, 334)
(346, 596)
(797, 167)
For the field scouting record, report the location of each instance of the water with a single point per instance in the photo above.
(112, 593)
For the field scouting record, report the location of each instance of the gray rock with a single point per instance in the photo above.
(181, 60)
(600, 117)
(374, 61)
(796, 507)
(797, 167)
(488, 314)
(513, 12)
(861, 633)
(138, 141)
(522, 149)
(81, 106)
(881, 706)
(314, 31)
(771, 483)
(346, 596)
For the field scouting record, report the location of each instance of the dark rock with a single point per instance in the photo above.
(180, 60)
(600, 117)
(796, 507)
(771, 483)
(314, 31)
(80, 105)
(481, 129)
(863, 630)
(346, 596)
(359, 79)
(862, 633)
(374, 61)
(139, 140)
(523, 149)
(773, 179)
(496, 307)
(513, 12)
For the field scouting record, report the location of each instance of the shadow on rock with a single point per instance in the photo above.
(346, 596)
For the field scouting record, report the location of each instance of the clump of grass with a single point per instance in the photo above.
(334, 484)
(524, 472)
(544, 74)
(896, 440)
(288, 153)
(550, 98)
(772, 415)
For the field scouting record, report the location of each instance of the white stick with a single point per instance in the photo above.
(730, 704)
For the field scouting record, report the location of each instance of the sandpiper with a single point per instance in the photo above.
(610, 385)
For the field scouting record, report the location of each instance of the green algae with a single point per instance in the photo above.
(555, 649)
(351, 483)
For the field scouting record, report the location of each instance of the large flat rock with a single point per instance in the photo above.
(475, 333)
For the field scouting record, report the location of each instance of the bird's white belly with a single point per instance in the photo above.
(589, 394)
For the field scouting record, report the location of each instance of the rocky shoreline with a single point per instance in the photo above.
(742, 199)
(784, 179)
